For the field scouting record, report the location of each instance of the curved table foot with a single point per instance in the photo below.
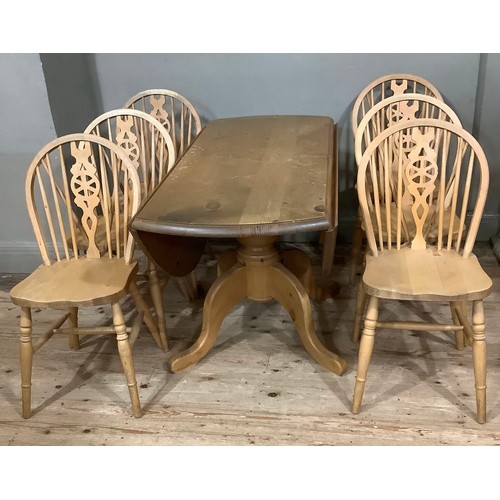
(287, 290)
(254, 271)
(227, 290)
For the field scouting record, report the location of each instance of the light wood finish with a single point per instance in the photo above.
(395, 109)
(257, 175)
(286, 289)
(152, 153)
(401, 107)
(259, 275)
(385, 87)
(173, 111)
(74, 340)
(125, 351)
(251, 178)
(26, 357)
(224, 294)
(359, 313)
(388, 86)
(365, 352)
(182, 122)
(479, 358)
(295, 261)
(92, 174)
(258, 386)
(459, 315)
(453, 277)
(147, 144)
(442, 157)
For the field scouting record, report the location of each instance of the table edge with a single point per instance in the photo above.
(329, 223)
(231, 231)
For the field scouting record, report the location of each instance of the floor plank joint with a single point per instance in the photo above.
(258, 385)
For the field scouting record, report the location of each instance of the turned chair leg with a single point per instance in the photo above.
(26, 355)
(125, 351)
(479, 358)
(365, 352)
(459, 334)
(358, 314)
(141, 305)
(463, 308)
(74, 340)
(357, 243)
(461, 338)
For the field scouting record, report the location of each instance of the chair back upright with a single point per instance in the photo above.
(73, 181)
(388, 86)
(401, 107)
(440, 157)
(393, 110)
(144, 140)
(173, 111)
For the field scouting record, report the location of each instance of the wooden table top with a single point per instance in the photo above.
(256, 175)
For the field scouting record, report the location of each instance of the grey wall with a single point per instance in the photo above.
(72, 89)
(488, 133)
(25, 127)
(222, 85)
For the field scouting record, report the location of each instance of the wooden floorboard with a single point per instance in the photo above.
(258, 385)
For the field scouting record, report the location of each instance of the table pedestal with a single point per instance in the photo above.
(259, 271)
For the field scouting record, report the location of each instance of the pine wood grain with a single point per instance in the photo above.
(405, 275)
(258, 175)
(263, 390)
(438, 153)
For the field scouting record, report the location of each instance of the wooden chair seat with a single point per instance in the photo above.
(380, 110)
(93, 282)
(443, 159)
(71, 182)
(408, 217)
(428, 274)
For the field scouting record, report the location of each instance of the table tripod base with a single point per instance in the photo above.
(258, 271)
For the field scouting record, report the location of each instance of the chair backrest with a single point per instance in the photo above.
(387, 86)
(143, 138)
(401, 107)
(71, 182)
(173, 111)
(442, 157)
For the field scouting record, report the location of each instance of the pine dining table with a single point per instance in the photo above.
(254, 179)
